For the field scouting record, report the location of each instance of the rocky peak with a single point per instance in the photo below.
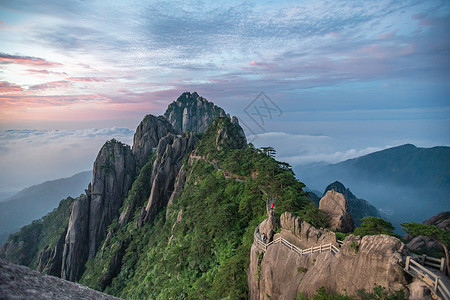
(191, 112)
(147, 136)
(223, 134)
(113, 175)
(171, 152)
(358, 208)
(335, 205)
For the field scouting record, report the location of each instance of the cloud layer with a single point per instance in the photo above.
(29, 157)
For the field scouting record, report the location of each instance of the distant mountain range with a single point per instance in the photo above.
(406, 182)
(36, 201)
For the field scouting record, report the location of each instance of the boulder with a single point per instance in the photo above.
(335, 206)
(19, 282)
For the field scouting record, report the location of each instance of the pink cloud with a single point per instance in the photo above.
(51, 85)
(388, 35)
(7, 87)
(86, 79)
(334, 34)
(422, 20)
(262, 65)
(26, 60)
(43, 71)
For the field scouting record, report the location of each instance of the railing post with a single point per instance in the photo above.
(407, 263)
(442, 267)
(424, 257)
(435, 287)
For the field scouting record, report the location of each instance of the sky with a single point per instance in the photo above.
(344, 78)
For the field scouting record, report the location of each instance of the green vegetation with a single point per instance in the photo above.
(206, 254)
(354, 246)
(374, 226)
(341, 236)
(40, 234)
(432, 231)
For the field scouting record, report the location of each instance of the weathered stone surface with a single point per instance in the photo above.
(335, 205)
(147, 136)
(76, 245)
(19, 282)
(165, 170)
(361, 263)
(192, 112)
(114, 173)
(306, 235)
(375, 260)
(50, 259)
(358, 208)
(179, 183)
(426, 244)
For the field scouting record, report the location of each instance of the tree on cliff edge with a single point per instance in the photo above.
(432, 231)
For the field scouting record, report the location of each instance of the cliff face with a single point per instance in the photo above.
(358, 208)
(335, 206)
(192, 112)
(113, 175)
(170, 154)
(281, 273)
(147, 136)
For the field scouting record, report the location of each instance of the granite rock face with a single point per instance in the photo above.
(280, 273)
(192, 112)
(19, 282)
(113, 175)
(335, 205)
(358, 208)
(171, 152)
(50, 259)
(147, 136)
(76, 245)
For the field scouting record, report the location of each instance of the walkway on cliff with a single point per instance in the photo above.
(321, 248)
(436, 280)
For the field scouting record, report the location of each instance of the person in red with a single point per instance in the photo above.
(271, 205)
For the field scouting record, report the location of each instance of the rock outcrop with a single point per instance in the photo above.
(50, 259)
(171, 152)
(358, 208)
(19, 282)
(76, 241)
(280, 273)
(113, 175)
(425, 244)
(147, 136)
(191, 112)
(335, 206)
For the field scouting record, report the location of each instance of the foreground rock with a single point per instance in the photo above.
(335, 205)
(18, 282)
(361, 263)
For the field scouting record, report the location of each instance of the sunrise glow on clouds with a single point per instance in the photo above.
(362, 73)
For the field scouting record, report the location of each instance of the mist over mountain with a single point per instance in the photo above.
(406, 182)
(36, 201)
